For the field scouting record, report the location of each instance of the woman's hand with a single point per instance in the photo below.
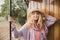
(12, 21)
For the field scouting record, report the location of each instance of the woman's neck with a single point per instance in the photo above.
(35, 22)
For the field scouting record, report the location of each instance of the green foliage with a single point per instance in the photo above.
(5, 9)
(19, 11)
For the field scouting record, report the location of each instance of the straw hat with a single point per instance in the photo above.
(35, 6)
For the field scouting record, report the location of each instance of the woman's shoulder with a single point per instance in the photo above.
(25, 26)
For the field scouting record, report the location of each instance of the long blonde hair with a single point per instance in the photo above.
(31, 21)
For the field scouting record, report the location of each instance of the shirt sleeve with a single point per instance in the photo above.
(19, 33)
(50, 20)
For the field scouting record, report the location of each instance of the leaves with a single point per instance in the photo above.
(5, 9)
(19, 11)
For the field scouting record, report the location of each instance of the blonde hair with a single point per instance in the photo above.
(31, 21)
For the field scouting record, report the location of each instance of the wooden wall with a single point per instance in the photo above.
(54, 30)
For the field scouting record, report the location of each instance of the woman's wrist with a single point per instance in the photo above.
(13, 27)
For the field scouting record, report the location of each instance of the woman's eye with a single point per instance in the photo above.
(33, 13)
(38, 13)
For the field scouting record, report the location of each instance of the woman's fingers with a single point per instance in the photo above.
(10, 19)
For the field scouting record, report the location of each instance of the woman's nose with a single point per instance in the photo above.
(35, 14)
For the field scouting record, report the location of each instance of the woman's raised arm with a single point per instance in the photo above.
(50, 20)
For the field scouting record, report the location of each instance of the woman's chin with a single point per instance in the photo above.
(35, 19)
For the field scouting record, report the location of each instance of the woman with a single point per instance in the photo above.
(36, 26)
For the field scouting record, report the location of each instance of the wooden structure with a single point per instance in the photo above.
(52, 8)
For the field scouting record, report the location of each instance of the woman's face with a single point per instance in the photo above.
(35, 15)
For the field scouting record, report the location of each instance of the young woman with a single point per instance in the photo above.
(36, 26)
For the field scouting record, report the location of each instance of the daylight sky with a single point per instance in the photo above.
(1, 2)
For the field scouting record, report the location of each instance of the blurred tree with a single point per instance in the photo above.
(5, 9)
(19, 11)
